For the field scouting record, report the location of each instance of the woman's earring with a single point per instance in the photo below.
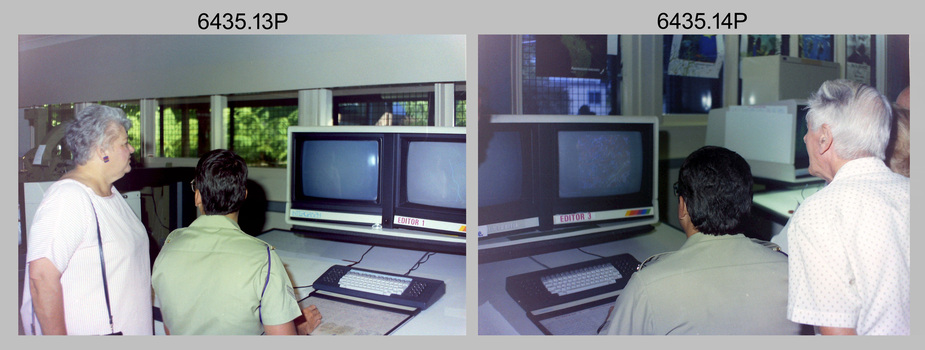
(105, 159)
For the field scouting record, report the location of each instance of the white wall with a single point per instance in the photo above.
(119, 67)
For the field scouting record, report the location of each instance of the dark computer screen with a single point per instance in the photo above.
(437, 174)
(340, 169)
(599, 163)
(500, 173)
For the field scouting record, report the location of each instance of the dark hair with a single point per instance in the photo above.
(221, 178)
(716, 184)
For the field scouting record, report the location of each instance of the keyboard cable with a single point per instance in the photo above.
(589, 253)
(353, 263)
(538, 262)
(422, 260)
(361, 257)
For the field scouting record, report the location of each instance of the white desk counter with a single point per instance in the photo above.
(782, 203)
(307, 258)
(500, 314)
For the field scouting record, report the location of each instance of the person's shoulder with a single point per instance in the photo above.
(254, 240)
(242, 241)
(68, 195)
(768, 249)
(655, 260)
(67, 187)
(226, 240)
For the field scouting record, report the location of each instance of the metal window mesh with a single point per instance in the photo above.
(460, 118)
(183, 130)
(384, 109)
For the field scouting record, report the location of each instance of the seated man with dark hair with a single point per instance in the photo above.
(212, 278)
(719, 282)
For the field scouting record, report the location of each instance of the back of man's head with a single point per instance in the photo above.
(221, 178)
(716, 184)
(858, 116)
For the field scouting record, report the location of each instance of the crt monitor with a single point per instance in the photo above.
(580, 179)
(339, 177)
(379, 184)
(769, 136)
(431, 183)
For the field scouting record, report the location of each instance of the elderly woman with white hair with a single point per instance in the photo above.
(88, 267)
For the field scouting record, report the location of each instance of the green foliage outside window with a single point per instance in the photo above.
(460, 111)
(260, 134)
(183, 131)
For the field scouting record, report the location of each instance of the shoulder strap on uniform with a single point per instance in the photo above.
(652, 259)
(773, 246)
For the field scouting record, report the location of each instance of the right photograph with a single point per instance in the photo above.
(693, 184)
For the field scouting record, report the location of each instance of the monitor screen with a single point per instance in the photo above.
(599, 163)
(437, 174)
(340, 169)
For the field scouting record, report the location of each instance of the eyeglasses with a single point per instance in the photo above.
(192, 185)
(675, 186)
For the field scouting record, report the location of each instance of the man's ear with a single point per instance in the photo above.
(825, 138)
(197, 199)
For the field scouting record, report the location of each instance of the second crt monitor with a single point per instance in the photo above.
(768, 136)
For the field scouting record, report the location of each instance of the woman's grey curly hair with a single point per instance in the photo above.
(89, 130)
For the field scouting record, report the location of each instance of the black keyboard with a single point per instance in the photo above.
(563, 284)
(386, 287)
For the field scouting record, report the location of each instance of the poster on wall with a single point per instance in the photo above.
(817, 47)
(699, 56)
(760, 45)
(860, 59)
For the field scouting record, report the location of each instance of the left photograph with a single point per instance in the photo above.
(242, 184)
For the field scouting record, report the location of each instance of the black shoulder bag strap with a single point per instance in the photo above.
(99, 238)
